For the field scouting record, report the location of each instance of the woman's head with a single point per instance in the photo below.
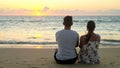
(68, 21)
(90, 26)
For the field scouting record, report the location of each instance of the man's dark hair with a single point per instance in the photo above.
(68, 21)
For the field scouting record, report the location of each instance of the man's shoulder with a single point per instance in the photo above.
(74, 31)
(67, 31)
(59, 31)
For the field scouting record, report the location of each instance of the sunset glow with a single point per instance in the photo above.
(59, 7)
(37, 13)
(38, 47)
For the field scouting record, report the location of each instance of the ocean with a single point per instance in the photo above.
(39, 31)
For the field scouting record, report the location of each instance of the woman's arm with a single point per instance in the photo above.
(99, 38)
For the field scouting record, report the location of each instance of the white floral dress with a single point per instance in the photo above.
(89, 53)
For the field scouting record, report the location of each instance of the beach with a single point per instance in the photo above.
(43, 58)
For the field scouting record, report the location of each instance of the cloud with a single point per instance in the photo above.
(86, 12)
(9, 11)
(45, 9)
(108, 12)
(66, 12)
(114, 11)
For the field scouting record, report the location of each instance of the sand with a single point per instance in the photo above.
(43, 58)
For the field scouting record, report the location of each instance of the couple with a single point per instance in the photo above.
(68, 40)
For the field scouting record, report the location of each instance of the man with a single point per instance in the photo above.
(67, 40)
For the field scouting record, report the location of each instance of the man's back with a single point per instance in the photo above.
(67, 41)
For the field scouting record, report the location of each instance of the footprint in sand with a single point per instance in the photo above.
(1, 67)
(112, 63)
(34, 67)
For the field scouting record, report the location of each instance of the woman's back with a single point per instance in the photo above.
(89, 50)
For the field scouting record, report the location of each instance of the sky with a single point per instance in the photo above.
(59, 7)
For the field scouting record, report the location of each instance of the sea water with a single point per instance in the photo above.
(30, 31)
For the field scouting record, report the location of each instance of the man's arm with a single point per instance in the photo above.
(77, 41)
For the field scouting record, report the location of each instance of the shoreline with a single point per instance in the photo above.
(44, 58)
(52, 46)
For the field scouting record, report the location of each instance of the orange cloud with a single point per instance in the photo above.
(8, 11)
(48, 11)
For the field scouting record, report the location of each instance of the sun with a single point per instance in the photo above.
(38, 13)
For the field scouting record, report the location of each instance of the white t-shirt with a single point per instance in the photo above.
(67, 41)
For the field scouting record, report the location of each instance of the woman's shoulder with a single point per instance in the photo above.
(96, 35)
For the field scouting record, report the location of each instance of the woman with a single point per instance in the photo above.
(89, 46)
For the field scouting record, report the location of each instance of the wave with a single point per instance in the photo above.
(101, 21)
(111, 40)
(26, 42)
(21, 21)
(104, 42)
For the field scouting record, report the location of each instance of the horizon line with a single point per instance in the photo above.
(59, 15)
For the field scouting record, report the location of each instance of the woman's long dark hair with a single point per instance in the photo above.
(90, 28)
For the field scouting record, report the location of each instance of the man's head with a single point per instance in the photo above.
(68, 21)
